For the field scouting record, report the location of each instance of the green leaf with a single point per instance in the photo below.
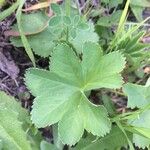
(69, 67)
(138, 95)
(84, 141)
(80, 39)
(140, 3)
(55, 21)
(11, 104)
(106, 75)
(108, 21)
(115, 3)
(1, 144)
(44, 35)
(67, 20)
(61, 91)
(32, 23)
(108, 142)
(73, 122)
(141, 141)
(56, 9)
(11, 132)
(109, 105)
(47, 146)
(39, 36)
(76, 19)
(138, 12)
(95, 118)
(142, 127)
(41, 43)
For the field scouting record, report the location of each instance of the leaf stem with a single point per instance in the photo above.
(130, 115)
(67, 7)
(122, 129)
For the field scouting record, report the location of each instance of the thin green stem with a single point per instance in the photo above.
(130, 115)
(23, 37)
(122, 129)
(67, 7)
(10, 10)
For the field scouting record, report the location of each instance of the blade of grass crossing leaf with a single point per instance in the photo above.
(8, 11)
(127, 34)
(120, 27)
(108, 104)
(23, 37)
(123, 18)
(133, 29)
(122, 129)
(138, 130)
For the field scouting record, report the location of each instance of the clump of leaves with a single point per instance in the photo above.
(51, 31)
(79, 64)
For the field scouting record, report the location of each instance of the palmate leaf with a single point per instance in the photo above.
(60, 92)
(39, 34)
(41, 43)
(45, 33)
(47, 146)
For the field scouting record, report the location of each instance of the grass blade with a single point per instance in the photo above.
(123, 18)
(8, 11)
(23, 37)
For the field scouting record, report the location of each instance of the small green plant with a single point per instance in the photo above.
(67, 82)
